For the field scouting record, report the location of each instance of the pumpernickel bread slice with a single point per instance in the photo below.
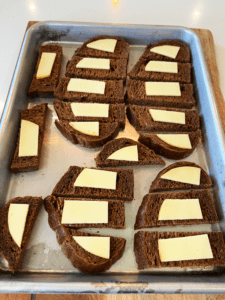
(154, 142)
(160, 184)
(141, 119)
(124, 186)
(147, 252)
(116, 212)
(9, 249)
(145, 155)
(148, 212)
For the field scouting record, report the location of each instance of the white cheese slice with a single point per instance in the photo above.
(90, 110)
(94, 63)
(160, 115)
(180, 209)
(129, 153)
(45, 65)
(97, 179)
(17, 216)
(90, 128)
(84, 212)
(162, 88)
(97, 245)
(185, 248)
(28, 144)
(176, 140)
(166, 50)
(107, 45)
(162, 66)
(187, 174)
(86, 86)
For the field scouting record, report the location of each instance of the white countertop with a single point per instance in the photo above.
(14, 16)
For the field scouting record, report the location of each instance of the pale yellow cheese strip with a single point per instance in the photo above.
(185, 248)
(166, 50)
(129, 153)
(46, 64)
(84, 212)
(107, 45)
(90, 110)
(94, 63)
(17, 216)
(28, 144)
(86, 86)
(97, 179)
(162, 88)
(186, 174)
(162, 66)
(176, 140)
(97, 245)
(90, 128)
(180, 209)
(160, 115)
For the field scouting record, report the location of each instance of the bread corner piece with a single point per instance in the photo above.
(9, 248)
(79, 257)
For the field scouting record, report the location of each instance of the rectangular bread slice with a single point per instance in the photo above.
(116, 113)
(149, 209)
(147, 252)
(138, 72)
(141, 119)
(45, 87)
(136, 94)
(117, 71)
(114, 93)
(37, 115)
(124, 186)
(116, 212)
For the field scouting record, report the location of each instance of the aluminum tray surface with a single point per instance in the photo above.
(45, 267)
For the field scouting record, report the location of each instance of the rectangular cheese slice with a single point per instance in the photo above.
(162, 88)
(94, 63)
(86, 86)
(162, 66)
(84, 212)
(28, 143)
(45, 65)
(160, 115)
(166, 50)
(90, 110)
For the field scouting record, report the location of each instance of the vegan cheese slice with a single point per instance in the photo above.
(129, 153)
(161, 66)
(45, 65)
(155, 88)
(107, 45)
(160, 115)
(166, 50)
(186, 174)
(86, 86)
(94, 63)
(90, 110)
(176, 140)
(90, 128)
(28, 143)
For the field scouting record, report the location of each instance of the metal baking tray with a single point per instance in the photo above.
(45, 268)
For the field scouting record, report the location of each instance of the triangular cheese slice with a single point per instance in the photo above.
(191, 175)
(166, 50)
(90, 128)
(94, 63)
(28, 143)
(107, 45)
(129, 153)
(176, 140)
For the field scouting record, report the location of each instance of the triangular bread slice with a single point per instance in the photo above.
(9, 249)
(145, 155)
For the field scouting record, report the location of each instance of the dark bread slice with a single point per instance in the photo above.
(145, 155)
(124, 186)
(116, 113)
(148, 211)
(107, 131)
(147, 254)
(182, 56)
(160, 147)
(117, 71)
(45, 87)
(141, 119)
(116, 212)
(138, 72)
(159, 184)
(37, 115)
(113, 93)
(121, 49)
(8, 247)
(136, 94)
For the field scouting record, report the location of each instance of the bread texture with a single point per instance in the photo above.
(37, 115)
(113, 93)
(8, 247)
(145, 155)
(147, 253)
(45, 87)
(149, 209)
(124, 186)
(160, 184)
(141, 119)
(164, 149)
(136, 94)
